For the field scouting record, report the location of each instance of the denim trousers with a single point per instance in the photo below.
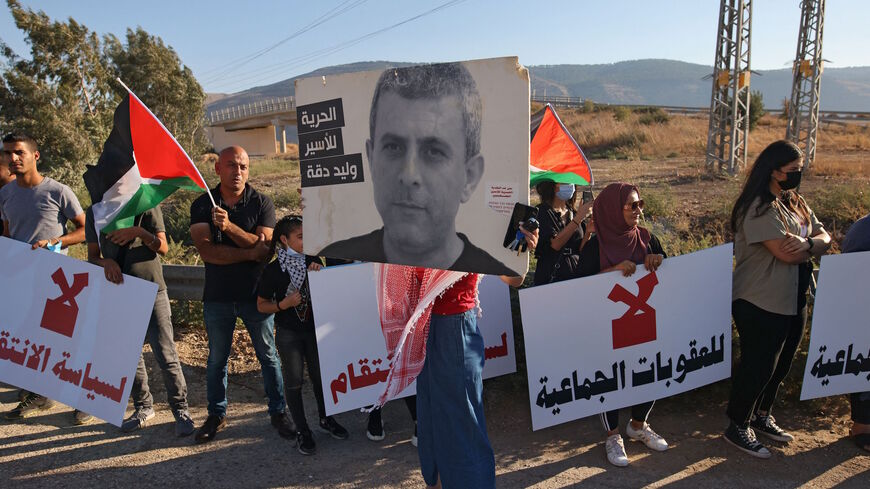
(220, 321)
(451, 428)
(160, 337)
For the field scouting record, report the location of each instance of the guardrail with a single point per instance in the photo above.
(262, 107)
(184, 282)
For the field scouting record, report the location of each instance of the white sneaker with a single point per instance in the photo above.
(649, 437)
(616, 451)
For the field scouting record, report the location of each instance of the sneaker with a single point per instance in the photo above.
(766, 425)
(22, 394)
(375, 430)
(331, 426)
(81, 418)
(649, 437)
(282, 423)
(305, 443)
(414, 438)
(208, 430)
(30, 406)
(744, 439)
(616, 451)
(137, 420)
(183, 423)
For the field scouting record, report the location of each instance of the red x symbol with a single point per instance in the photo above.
(638, 324)
(60, 314)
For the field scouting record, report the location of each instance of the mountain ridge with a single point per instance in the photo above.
(632, 82)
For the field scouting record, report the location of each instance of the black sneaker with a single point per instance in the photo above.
(331, 426)
(414, 438)
(30, 406)
(766, 425)
(282, 423)
(209, 429)
(305, 443)
(744, 439)
(375, 430)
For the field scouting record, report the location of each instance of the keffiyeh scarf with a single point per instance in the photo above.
(405, 306)
(293, 264)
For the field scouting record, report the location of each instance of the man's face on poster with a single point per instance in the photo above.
(420, 171)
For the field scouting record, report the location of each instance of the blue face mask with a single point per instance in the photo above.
(566, 191)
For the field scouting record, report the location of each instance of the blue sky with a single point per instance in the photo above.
(208, 35)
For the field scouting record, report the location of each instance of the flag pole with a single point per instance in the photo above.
(207, 191)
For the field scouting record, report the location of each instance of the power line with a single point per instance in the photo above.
(264, 73)
(239, 62)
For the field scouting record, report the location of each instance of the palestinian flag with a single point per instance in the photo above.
(555, 155)
(141, 165)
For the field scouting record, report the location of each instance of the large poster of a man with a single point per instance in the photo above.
(416, 166)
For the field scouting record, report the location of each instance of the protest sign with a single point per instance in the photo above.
(350, 343)
(69, 334)
(605, 342)
(838, 361)
(418, 165)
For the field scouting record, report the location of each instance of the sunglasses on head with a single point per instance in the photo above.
(637, 204)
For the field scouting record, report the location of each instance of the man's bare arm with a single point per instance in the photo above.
(217, 254)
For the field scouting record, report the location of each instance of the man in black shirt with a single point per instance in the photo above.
(133, 251)
(232, 240)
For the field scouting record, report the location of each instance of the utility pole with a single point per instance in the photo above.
(803, 108)
(729, 104)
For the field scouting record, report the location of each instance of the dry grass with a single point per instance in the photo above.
(617, 135)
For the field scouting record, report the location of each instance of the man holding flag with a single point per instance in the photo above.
(141, 164)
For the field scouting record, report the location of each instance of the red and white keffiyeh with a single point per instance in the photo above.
(405, 305)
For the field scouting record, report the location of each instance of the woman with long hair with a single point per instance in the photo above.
(775, 235)
(621, 244)
(561, 232)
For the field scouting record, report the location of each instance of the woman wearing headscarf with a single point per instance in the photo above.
(561, 232)
(775, 235)
(620, 244)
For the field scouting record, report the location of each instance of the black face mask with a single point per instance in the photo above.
(792, 180)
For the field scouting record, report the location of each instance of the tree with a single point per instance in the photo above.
(155, 74)
(65, 94)
(756, 109)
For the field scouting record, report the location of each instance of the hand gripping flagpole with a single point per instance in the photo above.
(213, 203)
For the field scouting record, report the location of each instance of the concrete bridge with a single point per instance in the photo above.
(262, 127)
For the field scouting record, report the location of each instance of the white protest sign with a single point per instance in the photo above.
(838, 361)
(431, 158)
(605, 342)
(69, 334)
(353, 355)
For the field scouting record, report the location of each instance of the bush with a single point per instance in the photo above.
(621, 113)
(654, 116)
(658, 202)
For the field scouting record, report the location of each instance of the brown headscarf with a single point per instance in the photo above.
(617, 240)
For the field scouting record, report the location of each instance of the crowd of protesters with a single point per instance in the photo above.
(255, 270)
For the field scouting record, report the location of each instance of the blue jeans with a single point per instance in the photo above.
(451, 427)
(220, 321)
